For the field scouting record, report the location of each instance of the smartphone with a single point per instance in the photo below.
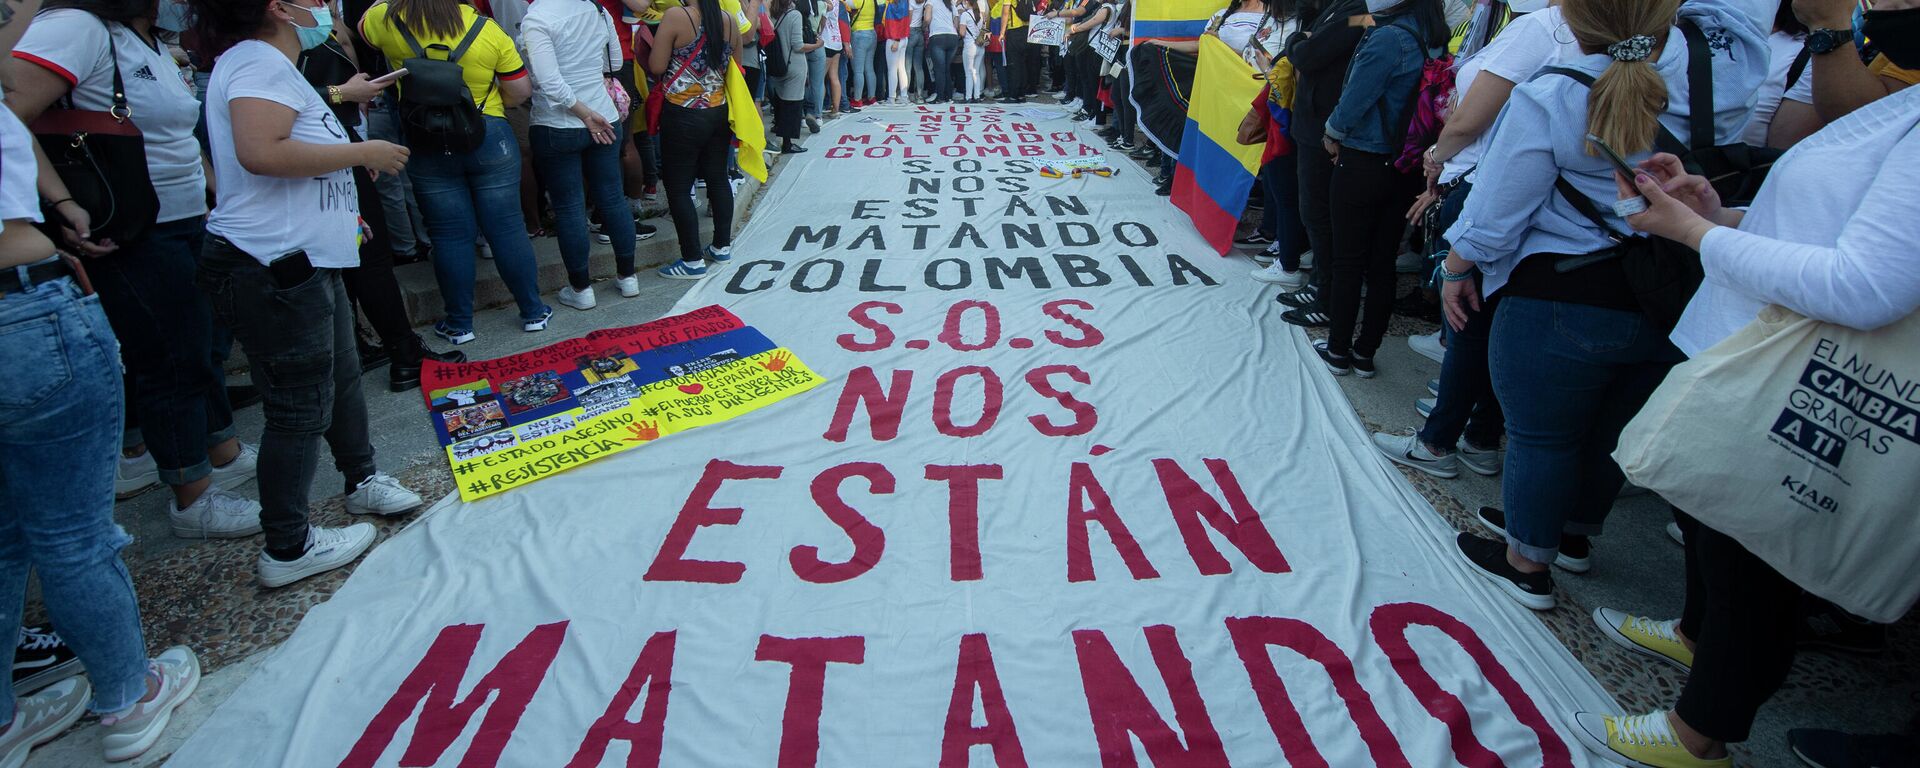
(389, 77)
(290, 270)
(1618, 161)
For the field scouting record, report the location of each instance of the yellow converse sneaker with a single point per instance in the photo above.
(1645, 636)
(1639, 741)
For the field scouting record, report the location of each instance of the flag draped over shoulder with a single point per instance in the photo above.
(1216, 171)
(744, 118)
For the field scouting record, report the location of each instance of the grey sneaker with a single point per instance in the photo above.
(132, 731)
(1407, 450)
(1482, 461)
(42, 717)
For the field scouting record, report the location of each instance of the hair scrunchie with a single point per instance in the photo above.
(1636, 48)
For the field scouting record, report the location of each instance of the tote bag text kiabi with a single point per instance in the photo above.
(1801, 440)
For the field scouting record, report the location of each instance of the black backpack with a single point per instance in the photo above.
(776, 51)
(1664, 274)
(436, 108)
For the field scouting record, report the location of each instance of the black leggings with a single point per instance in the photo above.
(1367, 200)
(1017, 64)
(1316, 171)
(694, 144)
(372, 286)
(1742, 616)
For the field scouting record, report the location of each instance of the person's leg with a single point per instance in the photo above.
(383, 124)
(1316, 174)
(1464, 384)
(680, 145)
(521, 120)
(289, 337)
(601, 164)
(557, 158)
(1001, 72)
(59, 438)
(832, 72)
(440, 184)
(1352, 199)
(347, 432)
(1284, 205)
(713, 167)
(1638, 371)
(917, 60)
(1269, 183)
(864, 85)
(1744, 644)
(372, 284)
(1553, 365)
(896, 59)
(1390, 199)
(816, 81)
(165, 327)
(494, 171)
(1015, 85)
(970, 62)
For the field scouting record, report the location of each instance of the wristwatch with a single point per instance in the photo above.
(1824, 41)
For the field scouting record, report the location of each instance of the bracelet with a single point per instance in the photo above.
(1451, 276)
(56, 203)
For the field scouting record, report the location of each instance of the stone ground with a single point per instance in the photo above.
(202, 594)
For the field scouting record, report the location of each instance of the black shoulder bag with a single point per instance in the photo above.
(102, 158)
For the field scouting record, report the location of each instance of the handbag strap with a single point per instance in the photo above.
(117, 106)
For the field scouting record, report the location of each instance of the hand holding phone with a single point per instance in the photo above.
(389, 78)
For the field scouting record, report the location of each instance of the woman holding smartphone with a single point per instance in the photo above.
(1572, 351)
(281, 233)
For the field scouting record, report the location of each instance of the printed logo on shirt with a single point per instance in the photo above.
(145, 73)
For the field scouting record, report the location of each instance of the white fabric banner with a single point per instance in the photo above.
(1072, 496)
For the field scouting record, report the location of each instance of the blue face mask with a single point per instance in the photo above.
(172, 16)
(318, 34)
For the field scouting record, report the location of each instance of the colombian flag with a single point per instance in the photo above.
(1216, 172)
(1172, 19)
(743, 116)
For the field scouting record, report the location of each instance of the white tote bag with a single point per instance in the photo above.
(1801, 440)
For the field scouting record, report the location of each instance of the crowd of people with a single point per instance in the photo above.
(288, 178)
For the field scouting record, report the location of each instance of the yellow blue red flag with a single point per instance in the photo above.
(1172, 19)
(1216, 171)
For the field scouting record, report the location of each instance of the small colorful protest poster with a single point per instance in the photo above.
(508, 422)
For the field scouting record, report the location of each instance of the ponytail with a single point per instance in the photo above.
(1624, 105)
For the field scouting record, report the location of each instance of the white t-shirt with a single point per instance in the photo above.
(18, 171)
(1240, 27)
(72, 43)
(1525, 45)
(268, 216)
(1784, 49)
(917, 14)
(940, 18)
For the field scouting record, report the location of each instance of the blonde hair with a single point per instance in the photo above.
(1624, 105)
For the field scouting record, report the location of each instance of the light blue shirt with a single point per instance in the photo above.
(1514, 211)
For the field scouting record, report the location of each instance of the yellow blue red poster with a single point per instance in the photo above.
(510, 421)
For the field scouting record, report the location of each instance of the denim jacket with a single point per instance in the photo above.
(1373, 111)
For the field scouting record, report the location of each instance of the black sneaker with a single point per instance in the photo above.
(41, 659)
(1822, 748)
(1307, 317)
(1576, 552)
(405, 376)
(1489, 557)
(643, 230)
(1824, 625)
(1363, 367)
(1340, 365)
(1255, 237)
(1300, 299)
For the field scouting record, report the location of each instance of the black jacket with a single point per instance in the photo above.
(1320, 57)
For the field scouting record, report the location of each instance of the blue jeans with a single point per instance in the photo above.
(816, 81)
(917, 58)
(866, 82)
(172, 351)
(1280, 182)
(1570, 376)
(1466, 403)
(59, 441)
(454, 190)
(406, 228)
(940, 50)
(563, 157)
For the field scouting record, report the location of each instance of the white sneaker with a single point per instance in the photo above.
(629, 286)
(239, 470)
(42, 717)
(1429, 346)
(581, 299)
(327, 549)
(134, 476)
(217, 514)
(481, 249)
(1306, 261)
(1487, 463)
(1407, 450)
(382, 495)
(132, 731)
(1275, 274)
